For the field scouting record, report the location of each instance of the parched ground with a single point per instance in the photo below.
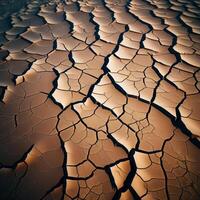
(100, 100)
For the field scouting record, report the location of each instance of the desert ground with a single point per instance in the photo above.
(100, 100)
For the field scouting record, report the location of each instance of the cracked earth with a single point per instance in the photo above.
(100, 100)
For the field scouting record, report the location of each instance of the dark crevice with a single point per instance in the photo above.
(22, 159)
(2, 92)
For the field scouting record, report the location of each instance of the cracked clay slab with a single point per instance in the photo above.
(99, 100)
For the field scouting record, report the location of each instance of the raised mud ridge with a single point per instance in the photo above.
(100, 100)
